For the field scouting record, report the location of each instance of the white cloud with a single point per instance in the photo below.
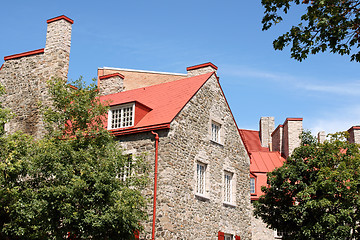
(349, 87)
(334, 121)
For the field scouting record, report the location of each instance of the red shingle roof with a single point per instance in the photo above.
(165, 100)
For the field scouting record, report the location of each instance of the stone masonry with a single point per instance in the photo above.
(266, 127)
(292, 132)
(24, 77)
(181, 214)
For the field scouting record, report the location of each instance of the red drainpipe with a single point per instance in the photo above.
(155, 182)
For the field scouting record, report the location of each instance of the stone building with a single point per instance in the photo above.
(182, 121)
(202, 175)
(24, 77)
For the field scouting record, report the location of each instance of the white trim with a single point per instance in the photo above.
(117, 107)
(142, 71)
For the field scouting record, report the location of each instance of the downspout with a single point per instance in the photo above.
(155, 182)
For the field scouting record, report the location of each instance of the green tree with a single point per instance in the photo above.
(326, 25)
(4, 113)
(75, 181)
(315, 194)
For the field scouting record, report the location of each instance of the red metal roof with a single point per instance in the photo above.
(165, 100)
(265, 161)
(251, 141)
(262, 160)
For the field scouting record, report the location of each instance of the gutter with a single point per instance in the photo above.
(155, 182)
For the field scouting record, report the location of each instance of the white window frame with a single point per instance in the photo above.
(252, 185)
(228, 187)
(215, 131)
(201, 178)
(228, 237)
(122, 109)
(278, 234)
(127, 170)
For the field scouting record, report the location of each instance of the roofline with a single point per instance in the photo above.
(354, 128)
(143, 71)
(1, 66)
(280, 126)
(222, 92)
(59, 18)
(24, 54)
(139, 130)
(194, 93)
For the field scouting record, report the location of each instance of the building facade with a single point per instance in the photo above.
(182, 121)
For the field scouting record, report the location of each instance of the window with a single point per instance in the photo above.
(278, 234)
(252, 185)
(228, 237)
(121, 116)
(227, 186)
(127, 170)
(215, 132)
(200, 178)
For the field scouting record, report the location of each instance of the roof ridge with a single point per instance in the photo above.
(143, 71)
(165, 83)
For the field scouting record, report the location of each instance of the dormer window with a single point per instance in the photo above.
(121, 116)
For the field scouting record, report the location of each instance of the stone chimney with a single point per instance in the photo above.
(111, 83)
(286, 137)
(201, 69)
(277, 139)
(24, 75)
(58, 43)
(266, 127)
(321, 136)
(354, 134)
(292, 132)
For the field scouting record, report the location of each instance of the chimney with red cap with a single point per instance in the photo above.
(201, 69)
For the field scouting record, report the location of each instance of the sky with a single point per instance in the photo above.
(169, 36)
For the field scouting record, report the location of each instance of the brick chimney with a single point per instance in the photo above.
(201, 69)
(354, 134)
(58, 42)
(321, 136)
(266, 127)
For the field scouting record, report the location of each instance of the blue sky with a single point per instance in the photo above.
(169, 36)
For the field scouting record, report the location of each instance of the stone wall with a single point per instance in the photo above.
(259, 229)
(181, 214)
(24, 77)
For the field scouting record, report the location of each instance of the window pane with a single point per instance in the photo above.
(252, 185)
(227, 187)
(215, 132)
(200, 181)
(122, 117)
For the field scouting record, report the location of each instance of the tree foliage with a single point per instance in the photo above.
(75, 181)
(5, 114)
(315, 194)
(326, 25)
